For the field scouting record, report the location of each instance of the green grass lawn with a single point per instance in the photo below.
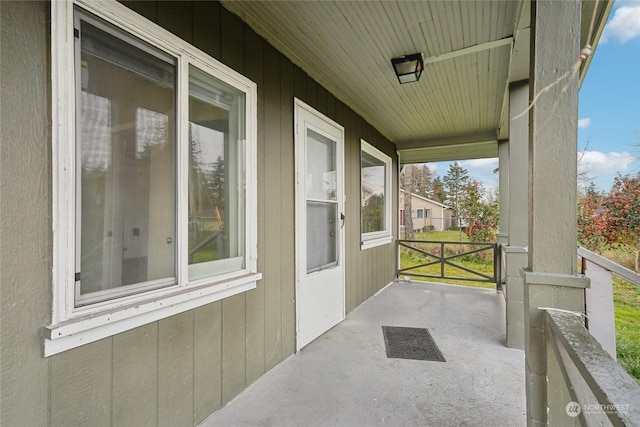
(442, 236)
(626, 300)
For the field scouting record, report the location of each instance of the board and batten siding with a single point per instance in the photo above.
(179, 370)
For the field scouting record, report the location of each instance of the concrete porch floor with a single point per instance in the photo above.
(344, 378)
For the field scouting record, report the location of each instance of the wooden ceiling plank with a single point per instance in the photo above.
(327, 38)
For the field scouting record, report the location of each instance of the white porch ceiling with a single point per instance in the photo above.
(473, 49)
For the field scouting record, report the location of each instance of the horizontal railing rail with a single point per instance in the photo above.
(615, 269)
(583, 380)
(442, 254)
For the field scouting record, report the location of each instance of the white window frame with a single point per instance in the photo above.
(74, 326)
(384, 237)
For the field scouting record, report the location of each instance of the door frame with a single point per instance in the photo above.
(300, 210)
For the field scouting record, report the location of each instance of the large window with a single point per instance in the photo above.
(156, 143)
(375, 168)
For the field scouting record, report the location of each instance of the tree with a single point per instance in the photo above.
(421, 179)
(437, 191)
(479, 211)
(406, 181)
(373, 213)
(613, 219)
(454, 182)
(622, 206)
(592, 220)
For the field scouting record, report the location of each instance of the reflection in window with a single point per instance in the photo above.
(373, 193)
(322, 206)
(206, 196)
(95, 132)
(126, 119)
(151, 131)
(216, 189)
(126, 215)
(375, 196)
(321, 167)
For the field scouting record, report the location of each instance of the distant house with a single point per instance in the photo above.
(427, 213)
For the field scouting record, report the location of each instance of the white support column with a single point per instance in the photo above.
(503, 194)
(551, 279)
(516, 251)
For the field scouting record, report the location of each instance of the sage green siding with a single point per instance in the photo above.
(25, 206)
(179, 370)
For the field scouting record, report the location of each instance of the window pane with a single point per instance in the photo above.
(216, 175)
(322, 209)
(321, 167)
(126, 163)
(322, 224)
(373, 193)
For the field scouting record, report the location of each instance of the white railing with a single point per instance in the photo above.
(599, 296)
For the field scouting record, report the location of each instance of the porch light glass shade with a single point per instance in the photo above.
(408, 68)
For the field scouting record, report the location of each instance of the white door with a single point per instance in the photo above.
(319, 146)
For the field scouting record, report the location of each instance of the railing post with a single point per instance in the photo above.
(599, 306)
(442, 259)
(497, 266)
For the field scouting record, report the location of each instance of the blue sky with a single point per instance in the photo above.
(609, 100)
(609, 107)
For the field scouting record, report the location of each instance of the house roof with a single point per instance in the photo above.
(473, 50)
(428, 200)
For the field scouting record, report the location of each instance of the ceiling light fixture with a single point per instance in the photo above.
(408, 68)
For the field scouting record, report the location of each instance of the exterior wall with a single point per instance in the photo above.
(179, 370)
(25, 223)
(441, 218)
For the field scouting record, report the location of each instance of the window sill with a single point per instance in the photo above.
(373, 242)
(75, 332)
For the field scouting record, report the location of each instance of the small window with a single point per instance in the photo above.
(161, 139)
(420, 213)
(427, 213)
(375, 196)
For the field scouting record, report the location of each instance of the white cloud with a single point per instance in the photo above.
(596, 163)
(482, 171)
(584, 123)
(481, 163)
(625, 24)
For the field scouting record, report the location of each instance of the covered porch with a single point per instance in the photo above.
(500, 79)
(345, 377)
